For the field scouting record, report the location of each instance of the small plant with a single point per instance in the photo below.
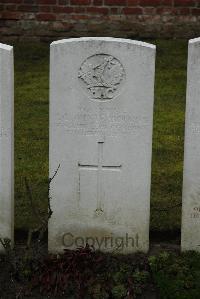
(176, 276)
(62, 274)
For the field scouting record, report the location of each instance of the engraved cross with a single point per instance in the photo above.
(100, 167)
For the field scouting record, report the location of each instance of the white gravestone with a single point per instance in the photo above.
(101, 111)
(191, 177)
(6, 142)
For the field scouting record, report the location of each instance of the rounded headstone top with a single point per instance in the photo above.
(6, 47)
(194, 40)
(106, 39)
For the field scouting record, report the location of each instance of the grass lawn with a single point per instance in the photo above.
(31, 131)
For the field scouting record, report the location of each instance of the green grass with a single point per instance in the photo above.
(31, 131)
(168, 134)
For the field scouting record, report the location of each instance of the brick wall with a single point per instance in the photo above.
(55, 19)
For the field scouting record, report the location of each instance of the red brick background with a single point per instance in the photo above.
(55, 19)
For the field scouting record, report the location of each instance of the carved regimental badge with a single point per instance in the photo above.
(102, 75)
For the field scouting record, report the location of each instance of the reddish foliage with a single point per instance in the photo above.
(76, 269)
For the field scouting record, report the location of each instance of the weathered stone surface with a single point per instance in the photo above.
(101, 110)
(6, 142)
(191, 177)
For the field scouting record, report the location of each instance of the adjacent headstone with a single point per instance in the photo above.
(6, 142)
(191, 177)
(101, 111)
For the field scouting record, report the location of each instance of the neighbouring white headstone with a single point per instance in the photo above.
(6, 142)
(191, 176)
(101, 113)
